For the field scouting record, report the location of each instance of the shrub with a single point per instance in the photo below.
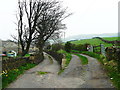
(79, 47)
(57, 47)
(68, 47)
(57, 56)
(75, 51)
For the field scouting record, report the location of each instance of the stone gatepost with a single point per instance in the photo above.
(102, 47)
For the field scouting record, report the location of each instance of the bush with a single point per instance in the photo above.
(57, 47)
(57, 56)
(79, 47)
(68, 47)
(75, 51)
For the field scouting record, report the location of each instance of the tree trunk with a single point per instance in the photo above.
(40, 55)
(25, 51)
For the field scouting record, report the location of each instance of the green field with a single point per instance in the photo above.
(95, 41)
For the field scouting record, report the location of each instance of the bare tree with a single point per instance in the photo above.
(50, 22)
(28, 15)
(38, 20)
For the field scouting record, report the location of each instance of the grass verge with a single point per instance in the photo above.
(83, 59)
(9, 76)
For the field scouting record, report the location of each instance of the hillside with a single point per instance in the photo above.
(95, 41)
(89, 36)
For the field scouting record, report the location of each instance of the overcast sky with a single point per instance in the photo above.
(89, 17)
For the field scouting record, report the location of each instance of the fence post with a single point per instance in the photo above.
(91, 48)
(102, 49)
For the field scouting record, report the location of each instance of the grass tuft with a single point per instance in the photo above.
(42, 73)
(62, 70)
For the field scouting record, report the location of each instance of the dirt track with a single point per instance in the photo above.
(74, 76)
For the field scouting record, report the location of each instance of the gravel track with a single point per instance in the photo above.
(95, 76)
(75, 75)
